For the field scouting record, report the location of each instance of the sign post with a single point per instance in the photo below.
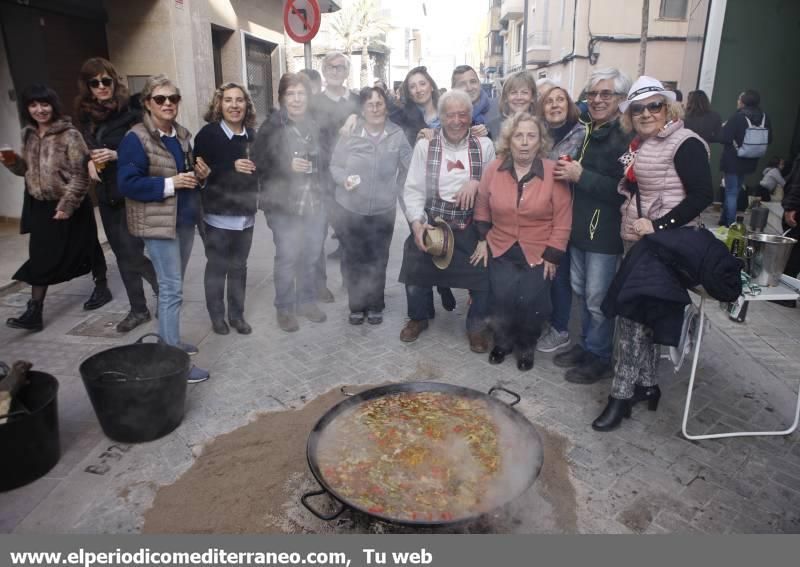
(301, 19)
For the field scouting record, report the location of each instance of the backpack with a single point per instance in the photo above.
(756, 139)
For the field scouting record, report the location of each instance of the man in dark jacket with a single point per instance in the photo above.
(733, 167)
(330, 109)
(595, 244)
(791, 217)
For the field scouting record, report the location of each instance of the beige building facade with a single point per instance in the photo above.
(198, 43)
(568, 39)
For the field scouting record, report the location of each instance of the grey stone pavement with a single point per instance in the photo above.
(644, 477)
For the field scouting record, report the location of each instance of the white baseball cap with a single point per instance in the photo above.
(645, 87)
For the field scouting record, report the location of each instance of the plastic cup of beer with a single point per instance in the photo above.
(99, 166)
(9, 155)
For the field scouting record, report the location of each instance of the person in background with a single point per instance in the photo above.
(466, 79)
(701, 119)
(595, 245)
(568, 133)
(55, 212)
(791, 220)
(678, 96)
(667, 184)
(287, 160)
(442, 183)
(230, 200)
(314, 79)
(330, 110)
(771, 179)
(369, 168)
(734, 168)
(519, 94)
(159, 180)
(525, 217)
(104, 117)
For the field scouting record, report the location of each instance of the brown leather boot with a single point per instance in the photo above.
(478, 342)
(412, 330)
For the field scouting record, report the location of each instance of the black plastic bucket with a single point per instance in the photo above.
(29, 442)
(138, 391)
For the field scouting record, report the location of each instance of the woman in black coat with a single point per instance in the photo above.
(103, 117)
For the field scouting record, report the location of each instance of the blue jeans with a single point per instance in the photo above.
(733, 184)
(561, 295)
(420, 306)
(170, 258)
(591, 274)
(298, 242)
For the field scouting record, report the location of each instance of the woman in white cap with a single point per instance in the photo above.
(667, 184)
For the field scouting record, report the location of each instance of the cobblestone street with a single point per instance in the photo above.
(643, 477)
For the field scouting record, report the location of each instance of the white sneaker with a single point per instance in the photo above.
(552, 340)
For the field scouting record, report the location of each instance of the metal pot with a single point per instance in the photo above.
(526, 457)
(767, 256)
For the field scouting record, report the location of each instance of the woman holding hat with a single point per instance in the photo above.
(525, 216)
(369, 168)
(667, 184)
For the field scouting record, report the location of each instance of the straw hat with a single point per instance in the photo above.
(440, 243)
(645, 87)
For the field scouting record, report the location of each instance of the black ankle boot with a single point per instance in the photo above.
(100, 296)
(30, 320)
(650, 393)
(612, 416)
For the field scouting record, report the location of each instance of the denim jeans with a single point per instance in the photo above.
(420, 306)
(561, 295)
(298, 241)
(170, 257)
(591, 274)
(733, 184)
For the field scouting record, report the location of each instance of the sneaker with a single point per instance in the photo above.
(591, 370)
(287, 322)
(356, 318)
(133, 320)
(552, 340)
(197, 374)
(374, 317)
(188, 349)
(312, 313)
(100, 296)
(570, 358)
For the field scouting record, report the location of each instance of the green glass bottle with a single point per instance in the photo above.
(736, 241)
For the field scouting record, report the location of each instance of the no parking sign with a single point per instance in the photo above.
(301, 19)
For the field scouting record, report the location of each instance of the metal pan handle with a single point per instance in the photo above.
(143, 337)
(516, 396)
(326, 517)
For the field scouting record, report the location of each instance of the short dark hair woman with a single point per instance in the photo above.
(56, 213)
(158, 179)
(230, 201)
(369, 168)
(287, 157)
(103, 115)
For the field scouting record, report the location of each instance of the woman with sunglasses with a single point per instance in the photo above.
(667, 184)
(159, 180)
(55, 212)
(104, 117)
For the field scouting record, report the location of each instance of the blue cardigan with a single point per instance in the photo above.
(135, 183)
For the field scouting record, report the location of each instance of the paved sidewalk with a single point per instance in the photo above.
(644, 477)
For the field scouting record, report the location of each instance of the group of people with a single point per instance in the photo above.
(532, 201)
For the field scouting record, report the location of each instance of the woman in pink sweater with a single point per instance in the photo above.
(525, 216)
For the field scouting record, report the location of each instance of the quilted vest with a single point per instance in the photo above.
(156, 219)
(660, 187)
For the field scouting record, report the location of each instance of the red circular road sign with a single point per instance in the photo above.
(301, 18)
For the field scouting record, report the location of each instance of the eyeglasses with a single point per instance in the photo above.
(604, 95)
(161, 99)
(652, 107)
(95, 83)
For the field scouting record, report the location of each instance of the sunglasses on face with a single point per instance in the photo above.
(161, 99)
(652, 108)
(105, 81)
